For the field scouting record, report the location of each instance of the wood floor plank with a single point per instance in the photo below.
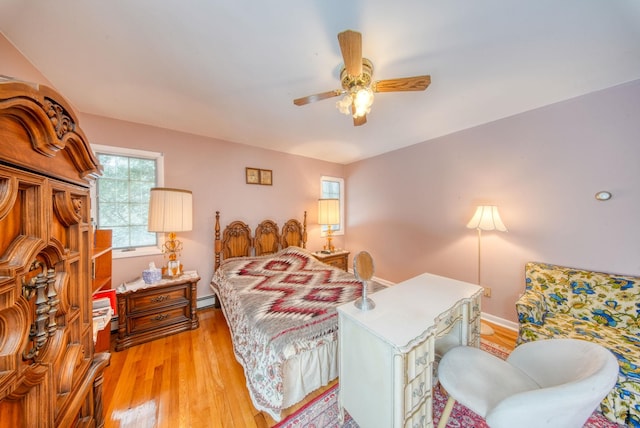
(192, 380)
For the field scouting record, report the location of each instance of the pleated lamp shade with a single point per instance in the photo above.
(487, 217)
(329, 211)
(170, 210)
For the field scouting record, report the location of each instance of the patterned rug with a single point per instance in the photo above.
(322, 412)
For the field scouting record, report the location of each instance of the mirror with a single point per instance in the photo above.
(363, 271)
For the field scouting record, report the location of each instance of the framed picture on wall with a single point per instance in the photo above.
(253, 175)
(266, 177)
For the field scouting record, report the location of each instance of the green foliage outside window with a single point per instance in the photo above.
(123, 199)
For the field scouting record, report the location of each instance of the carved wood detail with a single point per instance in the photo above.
(46, 302)
(51, 126)
(294, 233)
(50, 375)
(8, 195)
(236, 240)
(19, 255)
(62, 123)
(267, 240)
(66, 208)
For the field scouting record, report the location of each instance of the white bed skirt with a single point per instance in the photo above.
(306, 372)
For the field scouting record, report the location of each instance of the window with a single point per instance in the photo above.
(120, 200)
(333, 188)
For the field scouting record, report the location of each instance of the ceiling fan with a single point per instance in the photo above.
(357, 86)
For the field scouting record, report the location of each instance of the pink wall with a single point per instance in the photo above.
(214, 171)
(13, 64)
(542, 168)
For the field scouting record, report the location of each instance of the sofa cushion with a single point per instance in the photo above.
(606, 299)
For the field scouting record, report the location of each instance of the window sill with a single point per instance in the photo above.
(136, 252)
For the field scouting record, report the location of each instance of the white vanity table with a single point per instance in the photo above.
(387, 354)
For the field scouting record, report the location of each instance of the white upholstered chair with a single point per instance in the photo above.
(545, 383)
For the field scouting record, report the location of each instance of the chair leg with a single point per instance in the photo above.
(446, 412)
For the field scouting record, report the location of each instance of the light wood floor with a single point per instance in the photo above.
(501, 336)
(192, 379)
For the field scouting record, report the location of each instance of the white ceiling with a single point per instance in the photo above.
(229, 69)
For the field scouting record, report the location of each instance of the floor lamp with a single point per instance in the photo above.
(486, 217)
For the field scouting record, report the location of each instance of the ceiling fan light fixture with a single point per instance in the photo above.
(344, 104)
(362, 100)
(357, 83)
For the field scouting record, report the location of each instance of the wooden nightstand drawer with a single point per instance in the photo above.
(156, 299)
(338, 259)
(148, 312)
(159, 319)
(339, 263)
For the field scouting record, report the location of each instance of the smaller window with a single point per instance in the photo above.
(120, 199)
(333, 188)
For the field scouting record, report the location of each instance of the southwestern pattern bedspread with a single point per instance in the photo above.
(278, 307)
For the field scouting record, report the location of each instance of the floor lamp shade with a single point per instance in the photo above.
(170, 210)
(487, 217)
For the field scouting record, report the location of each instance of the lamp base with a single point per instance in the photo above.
(173, 269)
(329, 247)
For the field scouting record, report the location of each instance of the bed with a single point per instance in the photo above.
(279, 303)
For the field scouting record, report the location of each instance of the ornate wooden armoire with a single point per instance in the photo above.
(50, 375)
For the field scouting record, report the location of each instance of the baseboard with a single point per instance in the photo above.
(500, 321)
(378, 280)
(206, 301)
(383, 281)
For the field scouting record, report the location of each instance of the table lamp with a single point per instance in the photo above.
(170, 211)
(329, 215)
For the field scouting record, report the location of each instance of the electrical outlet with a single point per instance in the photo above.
(487, 291)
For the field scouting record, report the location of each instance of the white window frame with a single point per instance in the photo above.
(340, 230)
(122, 253)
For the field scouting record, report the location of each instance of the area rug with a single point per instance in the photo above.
(322, 412)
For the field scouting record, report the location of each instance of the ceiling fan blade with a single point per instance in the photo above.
(360, 120)
(415, 83)
(351, 48)
(317, 97)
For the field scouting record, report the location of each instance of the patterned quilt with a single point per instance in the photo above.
(278, 306)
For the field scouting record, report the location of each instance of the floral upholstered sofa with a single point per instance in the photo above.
(598, 307)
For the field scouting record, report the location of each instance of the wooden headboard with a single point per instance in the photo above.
(237, 241)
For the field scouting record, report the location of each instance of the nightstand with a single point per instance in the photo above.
(339, 259)
(149, 311)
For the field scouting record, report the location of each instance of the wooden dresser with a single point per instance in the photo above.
(148, 312)
(387, 355)
(50, 375)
